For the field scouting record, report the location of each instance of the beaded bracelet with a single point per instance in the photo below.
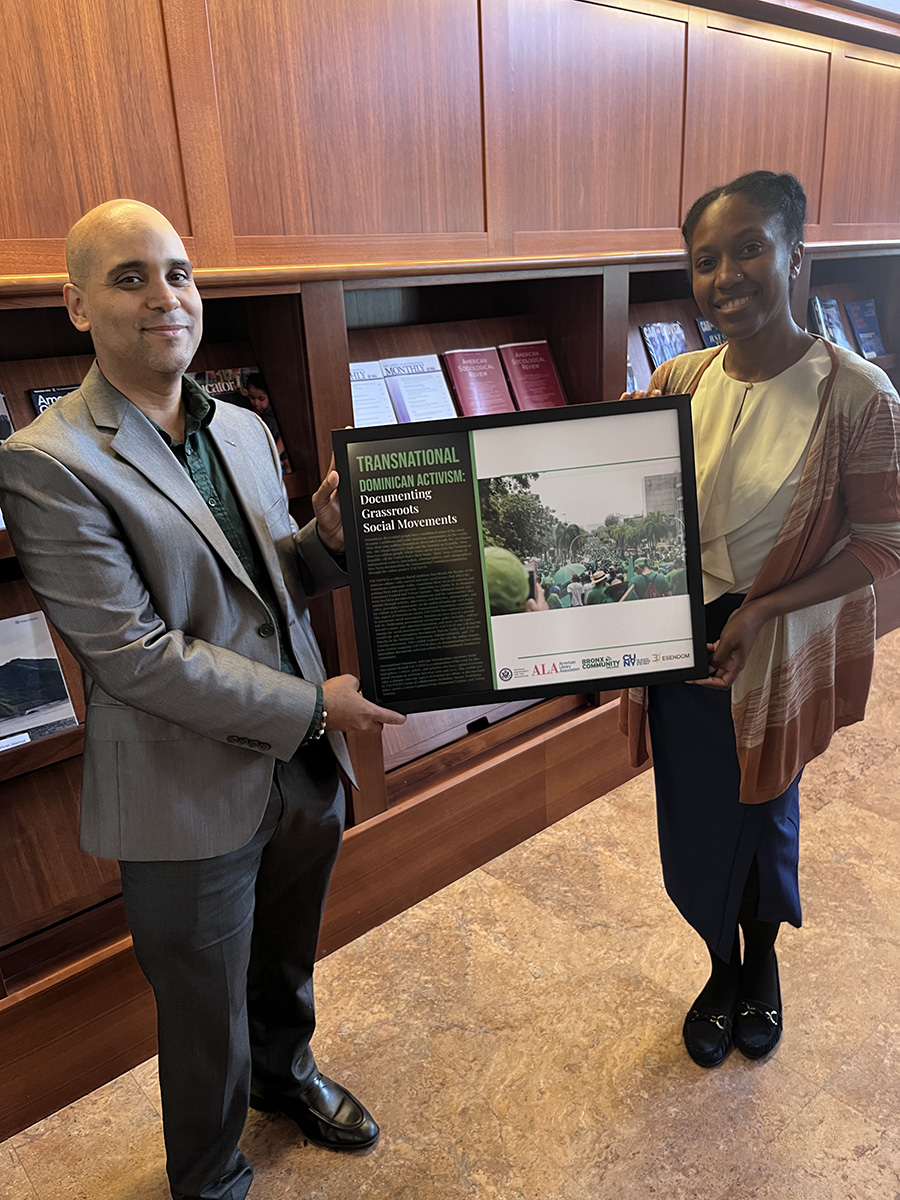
(320, 728)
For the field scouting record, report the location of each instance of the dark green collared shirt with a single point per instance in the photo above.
(200, 459)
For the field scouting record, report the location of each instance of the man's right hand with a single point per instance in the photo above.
(348, 709)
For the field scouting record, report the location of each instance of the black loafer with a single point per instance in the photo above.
(758, 1026)
(328, 1115)
(707, 1036)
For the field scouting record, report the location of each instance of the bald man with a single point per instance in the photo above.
(153, 527)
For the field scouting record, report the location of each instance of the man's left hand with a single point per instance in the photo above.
(328, 511)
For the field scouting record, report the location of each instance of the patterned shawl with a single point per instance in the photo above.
(809, 671)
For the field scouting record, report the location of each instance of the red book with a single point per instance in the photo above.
(478, 381)
(532, 375)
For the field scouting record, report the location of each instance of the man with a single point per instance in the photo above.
(576, 592)
(597, 594)
(153, 528)
(649, 584)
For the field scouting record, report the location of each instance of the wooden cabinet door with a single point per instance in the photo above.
(584, 121)
(87, 116)
(351, 132)
(757, 99)
(862, 175)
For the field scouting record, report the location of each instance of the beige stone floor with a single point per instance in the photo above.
(518, 1034)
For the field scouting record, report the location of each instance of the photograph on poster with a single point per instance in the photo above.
(590, 532)
(523, 554)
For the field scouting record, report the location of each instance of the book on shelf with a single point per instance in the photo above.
(417, 388)
(664, 340)
(710, 335)
(6, 425)
(246, 387)
(813, 317)
(43, 397)
(6, 428)
(477, 379)
(368, 391)
(828, 319)
(864, 319)
(34, 699)
(533, 378)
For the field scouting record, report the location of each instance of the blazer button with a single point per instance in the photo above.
(243, 741)
(253, 744)
(233, 739)
(266, 630)
(263, 746)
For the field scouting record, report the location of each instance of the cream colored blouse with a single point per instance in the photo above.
(750, 443)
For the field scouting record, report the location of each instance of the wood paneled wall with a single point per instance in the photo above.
(429, 130)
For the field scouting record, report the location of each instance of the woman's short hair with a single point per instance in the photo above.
(776, 195)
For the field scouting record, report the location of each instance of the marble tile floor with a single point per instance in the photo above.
(518, 1034)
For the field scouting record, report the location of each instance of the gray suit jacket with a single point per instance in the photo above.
(187, 710)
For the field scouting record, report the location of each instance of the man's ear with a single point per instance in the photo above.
(75, 305)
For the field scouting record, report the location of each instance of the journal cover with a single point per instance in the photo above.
(6, 425)
(368, 391)
(43, 397)
(711, 336)
(417, 388)
(34, 699)
(664, 340)
(829, 313)
(246, 387)
(533, 378)
(864, 318)
(478, 381)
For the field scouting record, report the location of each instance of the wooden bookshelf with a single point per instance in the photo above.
(440, 795)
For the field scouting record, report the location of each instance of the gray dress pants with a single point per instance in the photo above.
(228, 946)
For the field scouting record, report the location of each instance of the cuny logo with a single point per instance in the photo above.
(634, 660)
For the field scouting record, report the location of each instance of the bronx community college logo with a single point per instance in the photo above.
(505, 674)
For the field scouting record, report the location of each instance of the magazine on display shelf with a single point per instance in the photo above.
(34, 699)
(664, 340)
(43, 397)
(246, 387)
(864, 319)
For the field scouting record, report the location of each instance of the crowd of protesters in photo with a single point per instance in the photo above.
(635, 577)
(546, 583)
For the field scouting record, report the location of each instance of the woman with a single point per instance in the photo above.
(799, 500)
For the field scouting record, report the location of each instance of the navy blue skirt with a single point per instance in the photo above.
(707, 838)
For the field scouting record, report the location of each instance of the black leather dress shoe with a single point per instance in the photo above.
(758, 1026)
(707, 1036)
(328, 1115)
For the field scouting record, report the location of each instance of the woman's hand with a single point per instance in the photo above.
(639, 395)
(728, 656)
(838, 577)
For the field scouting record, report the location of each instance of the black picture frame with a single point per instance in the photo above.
(412, 519)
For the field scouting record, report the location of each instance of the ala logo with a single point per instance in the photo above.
(545, 669)
(505, 674)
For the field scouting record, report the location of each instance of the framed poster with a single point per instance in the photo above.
(523, 555)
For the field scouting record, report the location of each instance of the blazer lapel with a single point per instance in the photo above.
(245, 469)
(138, 443)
